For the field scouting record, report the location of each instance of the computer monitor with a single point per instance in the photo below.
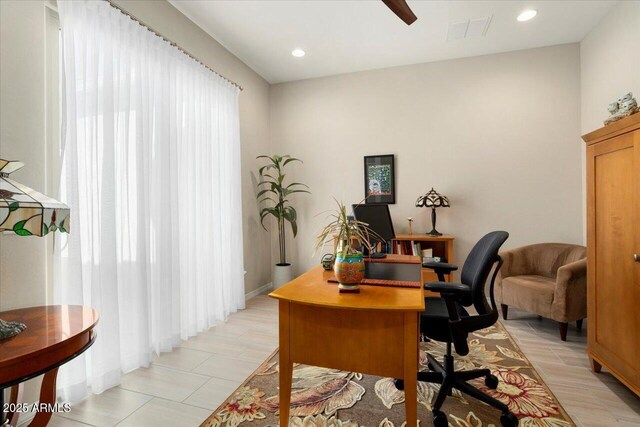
(379, 219)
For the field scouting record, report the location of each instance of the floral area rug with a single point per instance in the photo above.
(329, 397)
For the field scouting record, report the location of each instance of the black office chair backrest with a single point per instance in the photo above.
(477, 267)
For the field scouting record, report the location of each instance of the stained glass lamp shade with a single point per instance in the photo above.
(25, 212)
(433, 200)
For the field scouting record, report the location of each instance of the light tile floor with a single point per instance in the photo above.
(592, 400)
(183, 387)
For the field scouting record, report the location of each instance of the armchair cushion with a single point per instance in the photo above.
(531, 293)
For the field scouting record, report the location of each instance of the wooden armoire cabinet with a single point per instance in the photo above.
(613, 249)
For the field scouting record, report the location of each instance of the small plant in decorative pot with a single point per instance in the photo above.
(348, 236)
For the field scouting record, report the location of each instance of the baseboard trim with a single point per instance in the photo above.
(261, 290)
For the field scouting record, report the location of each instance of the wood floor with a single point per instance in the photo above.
(183, 387)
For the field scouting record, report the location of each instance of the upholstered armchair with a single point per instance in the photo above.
(548, 279)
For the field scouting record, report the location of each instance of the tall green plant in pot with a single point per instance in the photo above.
(274, 191)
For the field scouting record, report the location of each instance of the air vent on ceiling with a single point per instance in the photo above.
(469, 28)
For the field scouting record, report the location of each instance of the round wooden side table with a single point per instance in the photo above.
(55, 334)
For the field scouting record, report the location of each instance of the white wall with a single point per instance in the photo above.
(610, 63)
(23, 277)
(497, 134)
(23, 260)
(609, 68)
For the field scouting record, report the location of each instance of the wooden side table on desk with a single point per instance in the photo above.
(55, 334)
(374, 332)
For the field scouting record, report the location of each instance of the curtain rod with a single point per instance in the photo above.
(172, 43)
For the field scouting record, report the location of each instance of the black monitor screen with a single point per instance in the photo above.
(378, 218)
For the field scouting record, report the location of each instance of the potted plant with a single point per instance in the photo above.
(273, 190)
(348, 235)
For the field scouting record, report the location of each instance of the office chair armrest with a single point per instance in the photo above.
(447, 288)
(446, 267)
(441, 268)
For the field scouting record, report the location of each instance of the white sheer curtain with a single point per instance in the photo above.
(151, 171)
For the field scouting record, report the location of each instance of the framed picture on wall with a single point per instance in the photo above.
(379, 179)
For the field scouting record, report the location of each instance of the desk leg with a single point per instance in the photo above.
(48, 397)
(16, 396)
(286, 365)
(411, 368)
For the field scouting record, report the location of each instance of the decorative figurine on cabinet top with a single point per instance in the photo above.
(625, 106)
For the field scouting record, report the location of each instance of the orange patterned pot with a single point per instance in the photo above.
(349, 272)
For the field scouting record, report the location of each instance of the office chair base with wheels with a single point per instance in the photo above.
(448, 378)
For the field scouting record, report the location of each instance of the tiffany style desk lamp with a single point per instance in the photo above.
(25, 212)
(433, 200)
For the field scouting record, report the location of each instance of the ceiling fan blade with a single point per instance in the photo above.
(402, 9)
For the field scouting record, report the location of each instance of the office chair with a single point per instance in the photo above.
(446, 320)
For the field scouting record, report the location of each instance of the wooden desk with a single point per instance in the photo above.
(55, 334)
(374, 332)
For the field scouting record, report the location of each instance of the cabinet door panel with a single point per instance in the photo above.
(616, 306)
(636, 251)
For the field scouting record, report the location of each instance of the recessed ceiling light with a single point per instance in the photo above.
(527, 15)
(298, 53)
